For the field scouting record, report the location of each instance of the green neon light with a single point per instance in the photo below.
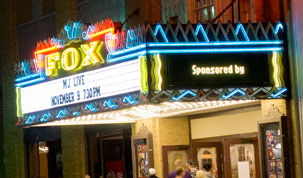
(144, 74)
(18, 102)
(278, 69)
(156, 71)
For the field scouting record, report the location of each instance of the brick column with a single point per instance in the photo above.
(13, 136)
(73, 151)
(72, 137)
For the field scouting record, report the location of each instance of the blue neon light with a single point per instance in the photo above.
(72, 31)
(215, 43)
(30, 119)
(91, 108)
(278, 27)
(184, 94)
(142, 46)
(19, 79)
(45, 118)
(126, 57)
(130, 100)
(42, 77)
(76, 113)
(61, 114)
(200, 28)
(233, 93)
(110, 104)
(240, 27)
(214, 50)
(279, 93)
(25, 68)
(159, 28)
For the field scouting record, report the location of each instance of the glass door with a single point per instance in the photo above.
(242, 158)
(209, 153)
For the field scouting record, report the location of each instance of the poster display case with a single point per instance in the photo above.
(142, 152)
(272, 141)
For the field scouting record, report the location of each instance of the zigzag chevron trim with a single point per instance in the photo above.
(219, 94)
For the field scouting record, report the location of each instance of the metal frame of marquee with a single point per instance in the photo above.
(174, 38)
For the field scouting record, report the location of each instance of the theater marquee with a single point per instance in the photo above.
(95, 68)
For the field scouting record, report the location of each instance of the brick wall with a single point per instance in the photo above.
(166, 132)
(13, 136)
(73, 151)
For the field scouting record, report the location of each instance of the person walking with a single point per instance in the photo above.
(208, 173)
(179, 163)
(152, 173)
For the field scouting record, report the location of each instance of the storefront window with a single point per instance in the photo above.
(142, 157)
(172, 156)
(273, 150)
(207, 156)
(242, 158)
(205, 10)
(45, 159)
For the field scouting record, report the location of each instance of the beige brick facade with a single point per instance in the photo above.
(175, 131)
(166, 132)
(73, 151)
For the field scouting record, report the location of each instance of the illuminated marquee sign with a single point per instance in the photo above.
(87, 86)
(73, 58)
(97, 68)
(220, 70)
(231, 69)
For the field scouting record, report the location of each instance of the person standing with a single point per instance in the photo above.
(179, 163)
(192, 168)
(180, 172)
(152, 173)
(208, 173)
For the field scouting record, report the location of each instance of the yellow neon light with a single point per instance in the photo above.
(91, 56)
(101, 32)
(218, 70)
(159, 65)
(70, 59)
(45, 50)
(18, 102)
(51, 64)
(277, 73)
(144, 74)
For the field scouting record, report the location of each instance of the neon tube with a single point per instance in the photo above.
(101, 33)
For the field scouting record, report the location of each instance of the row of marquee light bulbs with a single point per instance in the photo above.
(131, 115)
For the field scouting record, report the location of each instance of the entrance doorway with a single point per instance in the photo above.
(242, 157)
(232, 156)
(109, 151)
(209, 153)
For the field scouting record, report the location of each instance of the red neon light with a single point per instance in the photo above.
(45, 50)
(101, 33)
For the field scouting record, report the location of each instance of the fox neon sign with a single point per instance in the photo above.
(73, 58)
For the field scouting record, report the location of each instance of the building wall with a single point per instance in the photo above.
(73, 151)
(149, 11)
(166, 132)
(175, 131)
(31, 32)
(13, 136)
(172, 8)
(253, 10)
(241, 122)
(96, 10)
